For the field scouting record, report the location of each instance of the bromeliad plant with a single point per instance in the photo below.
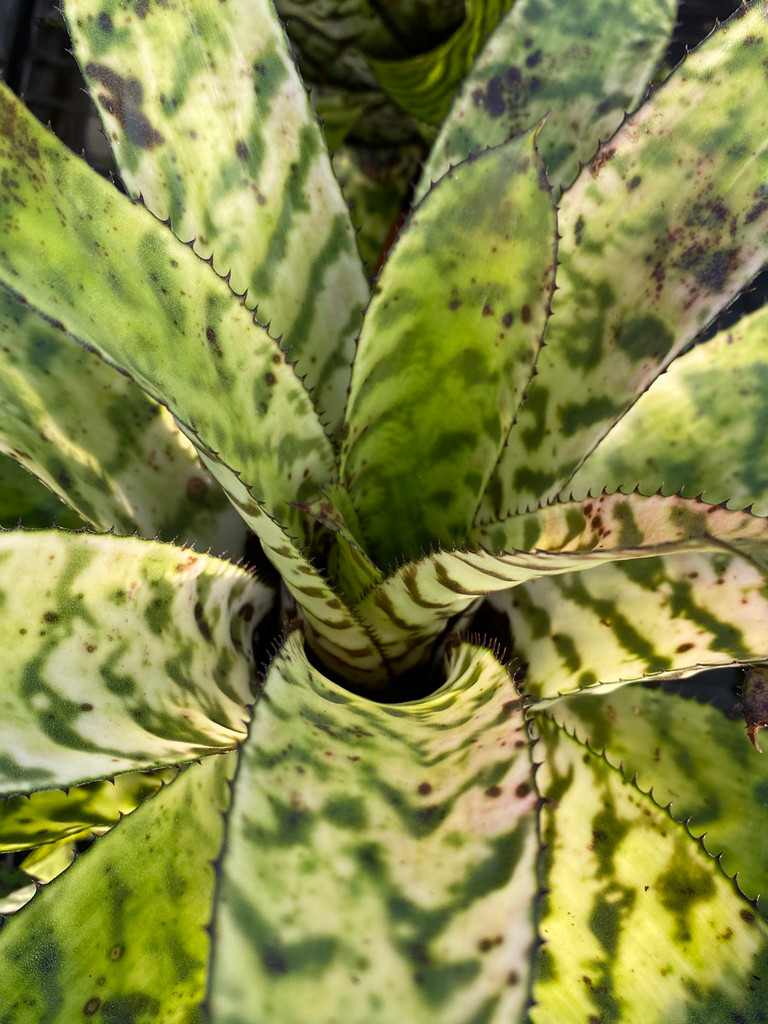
(381, 825)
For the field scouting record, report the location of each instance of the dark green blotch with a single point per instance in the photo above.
(645, 336)
(346, 811)
(129, 1008)
(680, 887)
(605, 921)
(157, 614)
(576, 417)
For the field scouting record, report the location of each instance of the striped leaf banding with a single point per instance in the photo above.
(631, 620)
(413, 605)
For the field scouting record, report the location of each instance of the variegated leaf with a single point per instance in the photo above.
(462, 301)
(99, 443)
(151, 304)
(23, 499)
(120, 935)
(343, 638)
(118, 654)
(223, 140)
(411, 607)
(424, 84)
(409, 832)
(659, 232)
(694, 759)
(701, 428)
(639, 923)
(581, 65)
(45, 817)
(668, 616)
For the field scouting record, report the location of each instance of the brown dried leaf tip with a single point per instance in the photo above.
(755, 701)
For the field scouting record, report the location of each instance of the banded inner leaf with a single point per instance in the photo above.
(641, 273)
(411, 608)
(220, 137)
(425, 83)
(410, 830)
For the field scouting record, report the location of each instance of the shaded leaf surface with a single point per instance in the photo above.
(132, 908)
(29, 821)
(105, 448)
(701, 426)
(24, 499)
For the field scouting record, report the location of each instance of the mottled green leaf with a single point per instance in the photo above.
(639, 923)
(701, 426)
(424, 85)
(118, 654)
(659, 232)
(345, 641)
(24, 499)
(580, 64)
(99, 443)
(150, 306)
(29, 821)
(409, 836)
(694, 759)
(120, 935)
(447, 348)
(197, 136)
(411, 607)
(665, 616)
